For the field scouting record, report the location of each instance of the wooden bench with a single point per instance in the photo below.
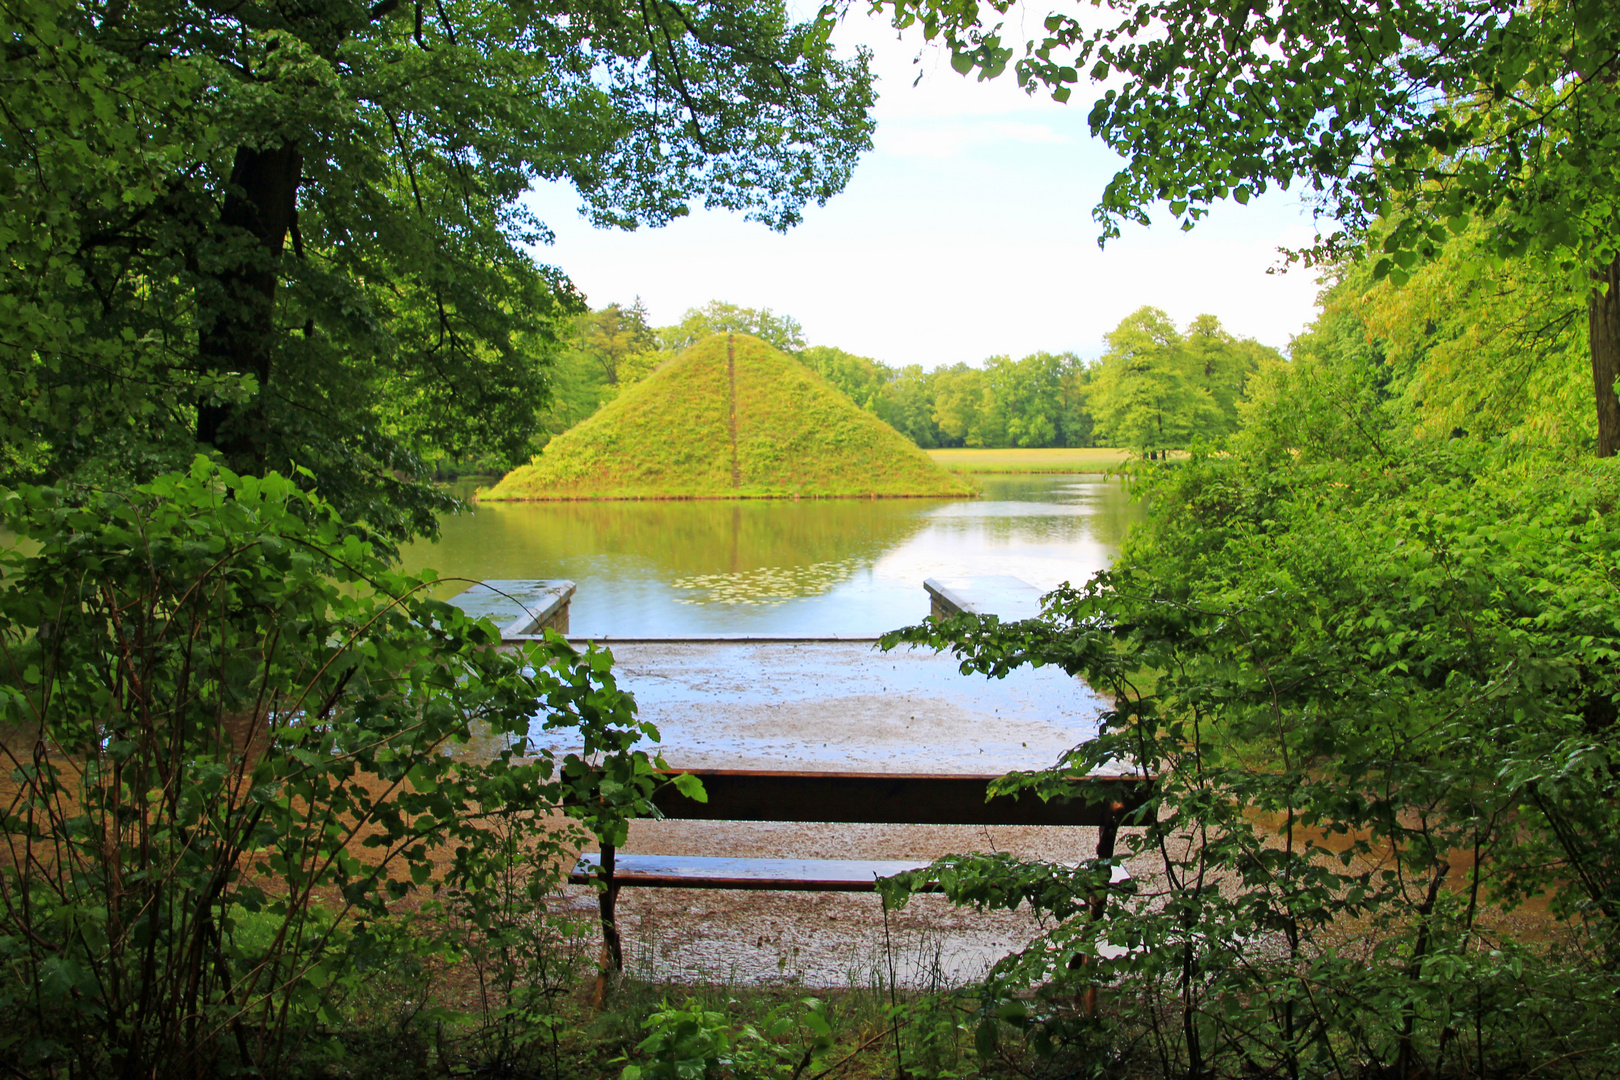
(706, 872)
(832, 703)
(861, 798)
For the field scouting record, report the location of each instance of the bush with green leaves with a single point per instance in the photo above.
(526, 953)
(235, 739)
(1375, 681)
(693, 1042)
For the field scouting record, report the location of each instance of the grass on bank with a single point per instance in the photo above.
(729, 418)
(1056, 459)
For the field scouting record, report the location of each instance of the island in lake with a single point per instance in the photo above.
(731, 417)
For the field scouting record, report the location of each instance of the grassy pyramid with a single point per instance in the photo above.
(731, 417)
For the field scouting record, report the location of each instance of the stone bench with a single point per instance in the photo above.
(1007, 598)
(521, 607)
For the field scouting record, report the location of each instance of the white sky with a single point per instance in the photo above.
(967, 232)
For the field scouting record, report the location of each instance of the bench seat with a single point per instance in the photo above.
(788, 875)
(698, 872)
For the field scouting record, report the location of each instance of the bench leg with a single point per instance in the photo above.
(612, 958)
(1107, 834)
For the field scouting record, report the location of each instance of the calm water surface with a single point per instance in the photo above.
(840, 566)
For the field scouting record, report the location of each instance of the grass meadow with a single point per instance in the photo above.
(1083, 459)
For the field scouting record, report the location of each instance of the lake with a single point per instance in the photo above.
(826, 566)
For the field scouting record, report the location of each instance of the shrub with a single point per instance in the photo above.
(1378, 697)
(234, 739)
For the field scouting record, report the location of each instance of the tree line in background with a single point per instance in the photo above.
(1155, 388)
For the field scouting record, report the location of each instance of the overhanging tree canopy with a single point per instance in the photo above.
(294, 231)
(1429, 113)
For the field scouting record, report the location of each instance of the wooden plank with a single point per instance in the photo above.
(888, 798)
(788, 875)
(697, 872)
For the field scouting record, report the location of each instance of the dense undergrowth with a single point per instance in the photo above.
(230, 757)
(436, 1002)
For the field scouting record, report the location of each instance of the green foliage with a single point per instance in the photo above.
(1373, 680)
(695, 1043)
(233, 741)
(620, 341)
(527, 955)
(294, 233)
(1038, 401)
(1494, 347)
(901, 398)
(1157, 389)
(1445, 110)
(859, 378)
(1031, 397)
(672, 436)
(958, 395)
(718, 317)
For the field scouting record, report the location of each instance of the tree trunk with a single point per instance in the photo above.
(237, 306)
(1603, 312)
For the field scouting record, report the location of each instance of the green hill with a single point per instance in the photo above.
(731, 417)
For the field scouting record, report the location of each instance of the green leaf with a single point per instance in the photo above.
(691, 786)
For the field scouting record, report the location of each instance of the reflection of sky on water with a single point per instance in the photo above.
(846, 566)
(1045, 544)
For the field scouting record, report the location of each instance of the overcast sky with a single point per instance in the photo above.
(965, 233)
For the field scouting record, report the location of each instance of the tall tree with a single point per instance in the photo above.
(1222, 364)
(1030, 394)
(1432, 113)
(958, 404)
(860, 377)
(1145, 396)
(719, 317)
(293, 232)
(616, 334)
(1157, 388)
(910, 391)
